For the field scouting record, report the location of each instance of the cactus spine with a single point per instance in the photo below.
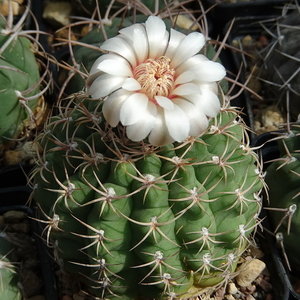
(136, 221)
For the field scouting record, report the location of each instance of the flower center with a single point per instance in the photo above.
(155, 77)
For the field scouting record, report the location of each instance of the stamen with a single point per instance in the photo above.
(155, 77)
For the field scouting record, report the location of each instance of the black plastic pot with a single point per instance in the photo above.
(14, 198)
(15, 175)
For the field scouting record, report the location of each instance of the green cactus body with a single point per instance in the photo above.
(9, 288)
(19, 82)
(282, 178)
(161, 221)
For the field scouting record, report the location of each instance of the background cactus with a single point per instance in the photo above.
(137, 221)
(283, 178)
(20, 81)
(8, 276)
(282, 63)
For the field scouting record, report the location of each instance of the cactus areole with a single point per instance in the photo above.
(147, 185)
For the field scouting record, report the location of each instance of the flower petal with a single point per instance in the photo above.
(121, 47)
(157, 36)
(115, 67)
(164, 102)
(102, 58)
(95, 72)
(208, 102)
(185, 77)
(190, 63)
(159, 135)
(176, 39)
(141, 129)
(133, 109)
(209, 71)
(177, 123)
(105, 84)
(190, 46)
(139, 41)
(130, 84)
(197, 119)
(186, 89)
(112, 106)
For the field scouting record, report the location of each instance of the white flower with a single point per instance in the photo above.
(157, 85)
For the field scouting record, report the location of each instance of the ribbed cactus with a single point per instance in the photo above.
(9, 289)
(148, 203)
(19, 82)
(282, 62)
(283, 180)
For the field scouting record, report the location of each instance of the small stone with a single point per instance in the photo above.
(256, 252)
(265, 285)
(185, 22)
(19, 227)
(31, 283)
(31, 264)
(269, 296)
(220, 292)
(14, 216)
(247, 40)
(13, 157)
(58, 13)
(229, 297)
(250, 289)
(272, 116)
(6, 5)
(79, 296)
(249, 271)
(231, 288)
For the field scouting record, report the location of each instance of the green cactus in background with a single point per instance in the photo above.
(283, 180)
(19, 83)
(9, 289)
(159, 216)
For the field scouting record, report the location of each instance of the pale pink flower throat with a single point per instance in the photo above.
(156, 77)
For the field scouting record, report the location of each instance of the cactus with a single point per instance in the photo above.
(9, 288)
(141, 214)
(282, 63)
(279, 75)
(20, 81)
(283, 178)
